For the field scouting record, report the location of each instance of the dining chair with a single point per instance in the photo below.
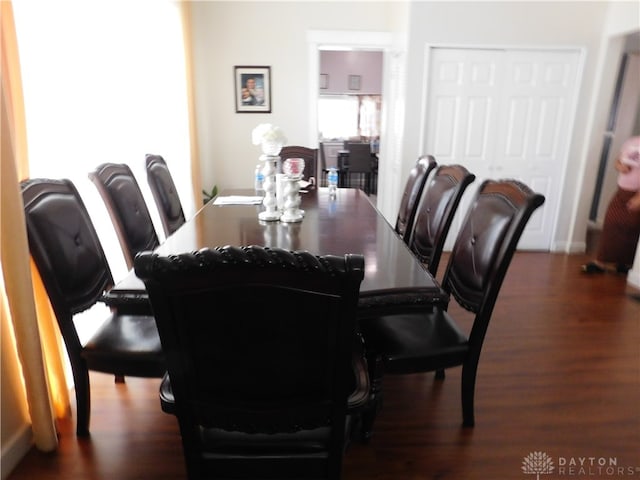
(127, 208)
(67, 252)
(164, 193)
(265, 370)
(424, 341)
(309, 155)
(329, 158)
(411, 195)
(436, 208)
(359, 164)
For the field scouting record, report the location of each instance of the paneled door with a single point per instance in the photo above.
(504, 114)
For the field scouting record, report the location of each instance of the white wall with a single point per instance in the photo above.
(245, 33)
(260, 33)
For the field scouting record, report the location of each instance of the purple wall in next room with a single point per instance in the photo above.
(338, 65)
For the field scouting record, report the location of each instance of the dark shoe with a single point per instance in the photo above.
(592, 267)
(621, 268)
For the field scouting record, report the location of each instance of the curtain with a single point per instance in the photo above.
(38, 344)
(31, 341)
(369, 118)
(196, 181)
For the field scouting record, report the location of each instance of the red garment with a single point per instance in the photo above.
(620, 231)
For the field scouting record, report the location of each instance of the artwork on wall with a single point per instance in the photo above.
(324, 80)
(354, 82)
(253, 89)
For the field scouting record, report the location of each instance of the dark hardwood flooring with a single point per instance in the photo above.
(559, 374)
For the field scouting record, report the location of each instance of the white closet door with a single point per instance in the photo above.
(504, 114)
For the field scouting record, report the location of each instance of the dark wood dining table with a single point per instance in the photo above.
(347, 223)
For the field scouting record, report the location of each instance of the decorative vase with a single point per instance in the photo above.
(293, 170)
(270, 213)
(292, 213)
(271, 148)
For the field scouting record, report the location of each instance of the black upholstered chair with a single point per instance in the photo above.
(437, 206)
(434, 341)
(264, 366)
(67, 252)
(411, 195)
(309, 155)
(164, 193)
(359, 165)
(330, 153)
(127, 208)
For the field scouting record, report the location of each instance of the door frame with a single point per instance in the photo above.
(327, 39)
(624, 116)
(393, 66)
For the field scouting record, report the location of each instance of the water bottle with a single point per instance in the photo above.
(332, 179)
(259, 179)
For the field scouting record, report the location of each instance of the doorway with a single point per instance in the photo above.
(349, 109)
(323, 40)
(622, 123)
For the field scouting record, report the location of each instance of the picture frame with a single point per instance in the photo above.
(252, 89)
(354, 82)
(324, 81)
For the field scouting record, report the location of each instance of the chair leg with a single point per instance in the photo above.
(118, 378)
(375, 402)
(439, 374)
(83, 399)
(467, 392)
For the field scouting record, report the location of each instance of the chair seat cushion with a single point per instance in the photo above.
(126, 345)
(415, 342)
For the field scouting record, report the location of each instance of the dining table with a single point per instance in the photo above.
(347, 222)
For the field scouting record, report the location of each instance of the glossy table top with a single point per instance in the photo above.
(348, 223)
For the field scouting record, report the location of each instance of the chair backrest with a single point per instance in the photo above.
(127, 208)
(259, 344)
(66, 249)
(485, 246)
(436, 209)
(329, 154)
(360, 159)
(164, 193)
(309, 155)
(411, 195)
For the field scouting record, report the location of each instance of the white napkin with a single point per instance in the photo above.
(238, 200)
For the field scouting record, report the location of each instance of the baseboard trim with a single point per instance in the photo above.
(570, 248)
(633, 278)
(14, 450)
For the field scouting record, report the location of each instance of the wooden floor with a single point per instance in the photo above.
(559, 374)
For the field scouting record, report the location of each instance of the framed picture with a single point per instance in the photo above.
(324, 80)
(253, 89)
(354, 82)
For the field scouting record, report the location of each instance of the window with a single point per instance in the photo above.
(97, 91)
(349, 116)
(338, 116)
